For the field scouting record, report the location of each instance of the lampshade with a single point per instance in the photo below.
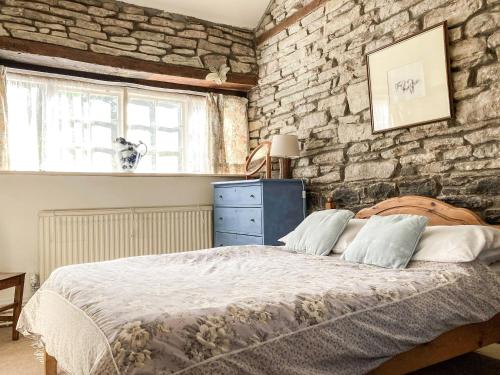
(285, 146)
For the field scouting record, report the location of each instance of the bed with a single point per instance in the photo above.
(263, 310)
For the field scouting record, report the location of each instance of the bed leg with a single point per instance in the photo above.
(50, 365)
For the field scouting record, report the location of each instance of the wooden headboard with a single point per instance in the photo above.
(438, 213)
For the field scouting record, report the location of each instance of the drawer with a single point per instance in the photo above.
(231, 239)
(249, 195)
(246, 220)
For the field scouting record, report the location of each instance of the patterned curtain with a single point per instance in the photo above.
(4, 154)
(228, 133)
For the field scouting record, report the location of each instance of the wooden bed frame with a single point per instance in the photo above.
(451, 344)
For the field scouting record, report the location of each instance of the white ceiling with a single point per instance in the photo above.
(242, 13)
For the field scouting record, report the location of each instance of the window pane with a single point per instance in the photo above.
(168, 115)
(72, 128)
(101, 137)
(146, 164)
(100, 109)
(101, 161)
(135, 135)
(60, 124)
(168, 164)
(139, 113)
(167, 141)
(24, 103)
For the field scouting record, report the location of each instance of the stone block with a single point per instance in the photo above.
(339, 21)
(148, 35)
(51, 39)
(118, 52)
(380, 191)
(69, 14)
(240, 49)
(370, 170)
(331, 157)
(482, 23)
(212, 47)
(195, 34)
(150, 50)
(424, 187)
(183, 60)
(89, 33)
(458, 153)
(485, 106)
(488, 74)
(100, 12)
(488, 150)
(168, 23)
(310, 121)
(354, 132)
(327, 178)
(239, 67)
(357, 97)
(115, 30)
(455, 12)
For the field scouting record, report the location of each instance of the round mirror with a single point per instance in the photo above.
(258, 159)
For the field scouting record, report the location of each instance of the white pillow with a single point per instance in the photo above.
(459, 243)
(440, 243)
(351, 230)
(347, 236)
(318, 232)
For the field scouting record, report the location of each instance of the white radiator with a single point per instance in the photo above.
(81, 236)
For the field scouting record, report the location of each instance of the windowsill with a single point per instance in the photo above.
(119, 174)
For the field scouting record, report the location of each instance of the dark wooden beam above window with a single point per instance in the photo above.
(88, 63)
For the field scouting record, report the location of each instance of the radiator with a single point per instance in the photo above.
(81, 236)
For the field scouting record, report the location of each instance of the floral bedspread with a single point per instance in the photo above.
(259, 310)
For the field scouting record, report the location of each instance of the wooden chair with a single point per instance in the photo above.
(13, 280)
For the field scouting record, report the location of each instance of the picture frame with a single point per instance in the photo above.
(407, 84)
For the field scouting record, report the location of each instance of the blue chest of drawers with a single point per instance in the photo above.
(256, 212)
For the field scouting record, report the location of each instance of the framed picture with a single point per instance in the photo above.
(409, 81)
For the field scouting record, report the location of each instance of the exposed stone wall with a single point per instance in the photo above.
(120, 29)
(313, 83)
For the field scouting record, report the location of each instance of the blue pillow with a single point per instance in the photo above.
(386, 241)
(319, 232)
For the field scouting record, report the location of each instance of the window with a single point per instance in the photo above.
(57, 124)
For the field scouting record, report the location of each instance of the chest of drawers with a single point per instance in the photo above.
(256, 212)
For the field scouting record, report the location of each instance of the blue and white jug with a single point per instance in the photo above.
(129, 154)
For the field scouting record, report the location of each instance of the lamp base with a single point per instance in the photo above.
(285, 168)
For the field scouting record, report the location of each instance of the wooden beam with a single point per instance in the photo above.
(71, 59)
(113, 78)
(289, 21)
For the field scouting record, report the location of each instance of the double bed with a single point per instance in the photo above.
(264, 310)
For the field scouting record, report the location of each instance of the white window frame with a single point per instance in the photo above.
(164, 96)
(125, 88)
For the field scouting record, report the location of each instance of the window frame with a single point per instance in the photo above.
(125, 88)
(181, 129)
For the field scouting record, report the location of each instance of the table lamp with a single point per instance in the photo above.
(285, 146)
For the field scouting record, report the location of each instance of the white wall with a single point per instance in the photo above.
(22, 196)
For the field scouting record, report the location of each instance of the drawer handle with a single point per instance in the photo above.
(252, 220)
(220, 196)
(221, 218)
(252, 196)
(221, 244)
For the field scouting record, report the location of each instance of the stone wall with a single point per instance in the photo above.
(115, 28)
(313, 82)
